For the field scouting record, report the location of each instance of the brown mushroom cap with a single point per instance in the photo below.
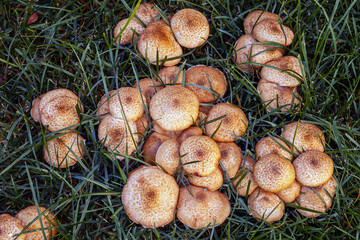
(201, 118)
(212, 182)
(64, 150)
(246, 174)
(200, 208)
(212, 79)
(168, 156)
(313, 168)
(150, 197)
(51, 95)
(201, 155)
(9, 228)
(256, 17)
(103, 105)
(157, 43)
(273, 173)
(148, 88)
(270, 30)
(330, 186)
(131, 32)
(28, 214)
(190, 27)
(169, 74)
(151, 146)
(171, 134)
(142, 124)
(35, 110)
(291, 193)
(189, 132)
(268, 145)
(146, 12)
(231, 157)
(266, 205)
(225, 129)
(303, 137)
(174, 108)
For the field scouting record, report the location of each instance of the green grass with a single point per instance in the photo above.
(70, 47)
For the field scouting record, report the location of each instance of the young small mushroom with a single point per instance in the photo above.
(212, 182)
(151, 146)
(146, 12)
(171, 75)
(231, 157)
(257, 16)
(245, 183)
(289, 194)
(171, 134)
(189, 132)
(142, 124)
(103, 105)
(35, 110)
(268, 145)
(270, 30)
(148, 87)
(130, 33)
(168, 156)
(10, 228)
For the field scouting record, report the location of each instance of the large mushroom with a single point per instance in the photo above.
(10, 228)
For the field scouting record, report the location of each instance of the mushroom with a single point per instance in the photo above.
(57, 93)
(257, 16)
(289, 194)
(168, 156)
(130, 33)
(35, 111)
(142, 124)
(103, 105)
(146, 12)
(190, 27)
(270, 30)
(148, 88)
(10, 228)
(198, 208)
(149, 197)
(151, 146)
(231, 157)
(171, 134)
(171, 75)
(268, 145)
(232, 124)
(189, 132)
(330, 186)
(208, 83)
(245, 183)
(211, 182)
(273, 173)
(64, 150)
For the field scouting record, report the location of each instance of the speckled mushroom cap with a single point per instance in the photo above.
(291, 193)
(174, 108)
(266, 205)
(64, 150)
(274, 173)
(212, 79)
(51, 95)
(256, 17)
(146, 12)
(313, 168)
(202, 150)
(131, 32)
(150, 197)
(284, 71)
(303, 137)
(189, 132)
(262, 53)
(157, 43)
(199, 208)
(231, 157)
(171, 134)
(169, 74)
(275, 96)
(28, 214)
(234, 122)
(9, 227)
(119, 136)
(190, 27)
(246, 174)
(127, 101)
(212, 182)
(330, 186)
(103, 105)
(269, 30)
(35, 110)
(168, 155)
(151, 146)
(142, 124)
(268, 145)
(148, 88)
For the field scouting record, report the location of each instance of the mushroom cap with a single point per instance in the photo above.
(151, 146)
(103, 105)
(313, 168)
(9, 227)
(174, 108)
(234, 122)
(157, 43)
(142, 124)
(169, 74)
(266, 205)
(330, 186)
(212, 79)
(150, 197)
(51, 95)
(119, 136)
(64, 150)
(146, 12)
(35, 110)
(201, 118)
(198, 208)
(270, 30)
(190, 27)
(284, 71)
(275, 96)
(171, 134)
(303, 137)
(128, 101)
(212, 182)
(148, 88)
(131, 32)
(201, 155)
(274, 173)
(246, 174)
(291, 193)
(231, 157)
(256, 17)
(168, 155)
(28, 214)
(189, 132)
(204, 109)
(262, 53)
(60, 113)
(268, 145)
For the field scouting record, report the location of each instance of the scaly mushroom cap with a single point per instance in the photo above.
(264, 53)
(148, 88)
(51, 95)
(201, 155)
(270, 30)
(291, 193)
(212, 182)
(174, 108)
(246, 174)
(157, 43)
(330, 186)
(313, 168)
(198, 208)
(35, 110)
(142, 124)
(257, 16)
(284, 71)
(103, 105)
(168, 155)
(303, 137)
(201, 118)
(189, 132)
(274, 173)
(169, 74)
(212, 79)
(119, 136)
(233, 124)
(146, 12)
(65, 150)
(131, 32)
(266, 206)
(268, 145)
(127, 101)
(151, 146)
(190, 27)
(28, 214)
(231, 157)
(150, 197)
(9, 227)
(171, 134)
